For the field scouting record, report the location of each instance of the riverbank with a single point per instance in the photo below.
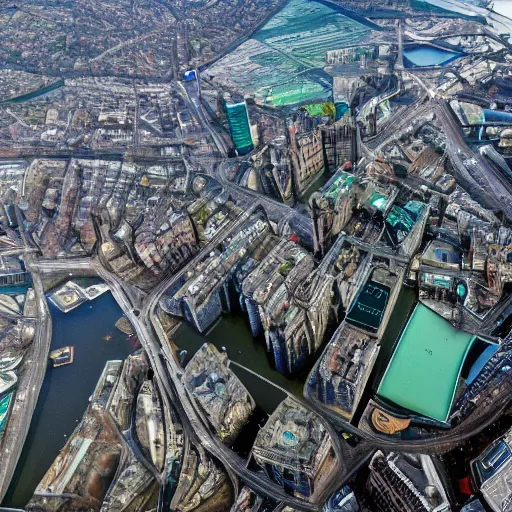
(34, 94)
(66, 390)
(232, 332)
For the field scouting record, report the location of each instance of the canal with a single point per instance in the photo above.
(34, 94)
(66, 390)
(232, 333)
(90, 329)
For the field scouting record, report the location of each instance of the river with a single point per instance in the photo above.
(34, 94)
(232, 332)
(66, 390)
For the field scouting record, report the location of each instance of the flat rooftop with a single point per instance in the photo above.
(423, 372)
(367, 310)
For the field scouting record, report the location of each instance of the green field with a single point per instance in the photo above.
(282, 64)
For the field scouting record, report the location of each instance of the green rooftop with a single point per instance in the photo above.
(321, 109)
(4, 411)
(377, 200)
(423, 372)
(239, 126)
(340, 185)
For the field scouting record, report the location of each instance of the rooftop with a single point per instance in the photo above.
(423, 372)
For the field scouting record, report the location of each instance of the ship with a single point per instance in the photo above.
(62, 356)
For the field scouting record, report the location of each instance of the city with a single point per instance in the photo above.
(256, 255)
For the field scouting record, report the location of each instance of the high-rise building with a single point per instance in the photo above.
(491, 472)
(295, 449)
(339, 378)
(239, 125)
(405, 483)
(331, 208)
(340, 143)
(307, 152)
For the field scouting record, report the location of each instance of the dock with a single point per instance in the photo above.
(71, 295)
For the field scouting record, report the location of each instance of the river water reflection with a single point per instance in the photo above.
(66, 390)
(90, 329)
(233, 333)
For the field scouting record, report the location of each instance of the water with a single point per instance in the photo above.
(427, 56)
(233, 333)
(66, 390)
(496, 116)
(34, 94)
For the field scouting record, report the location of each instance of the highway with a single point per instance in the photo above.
(168, 378)
(154, 342)
(193, 95)
(473, 171)
(276, 211)
(231, 460)
(376, 250)
(434, 444)
(443, 35)
(140, 309)
(31, 376)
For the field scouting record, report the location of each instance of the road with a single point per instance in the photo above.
(192, 93)
(170, 385)
(70, 265)
(18, 251)
(141, 312)
(276, 211)
(472, 170)
(142, 315)
(31, 376)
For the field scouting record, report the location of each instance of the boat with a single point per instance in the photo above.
(62, 356)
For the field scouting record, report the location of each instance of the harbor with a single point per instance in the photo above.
(66, 390)
(71, 295)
